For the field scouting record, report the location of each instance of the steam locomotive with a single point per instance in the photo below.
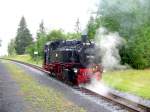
(72, 61)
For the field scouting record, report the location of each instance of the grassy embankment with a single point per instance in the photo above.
(26, 58)
(39, 96)
(133, 81)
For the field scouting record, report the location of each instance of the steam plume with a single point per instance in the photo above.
(109, 44)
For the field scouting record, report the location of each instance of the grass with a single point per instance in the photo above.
(26, 58)
(133, 81)
(41, 97)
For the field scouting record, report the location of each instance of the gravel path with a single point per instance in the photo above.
(10, 96)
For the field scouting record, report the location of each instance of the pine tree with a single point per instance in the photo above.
(41, 27)
(41, 39)
(77, 26)
(23, 38)
(11, 47)
(91, 28)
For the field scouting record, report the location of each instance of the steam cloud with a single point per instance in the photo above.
(108, 44)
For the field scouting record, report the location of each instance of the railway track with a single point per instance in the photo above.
(124, 103)
(117, 100)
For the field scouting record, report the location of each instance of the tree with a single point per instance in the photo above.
(56, 35)
(23, 38)
(38, 45)
(131, 20)
(77, 33)
(41, 39)
(41, 30)
(78, 27)
(11, 47)
(91, 28)
(137, 49)
(71, 35)
(31, 48)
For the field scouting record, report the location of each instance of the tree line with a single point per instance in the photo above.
(130, 19)
(24, 43)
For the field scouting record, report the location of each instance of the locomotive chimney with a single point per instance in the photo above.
(84, 38)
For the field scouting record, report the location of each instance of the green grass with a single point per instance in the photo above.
(133, 81)
(26, 58)
(41, 97)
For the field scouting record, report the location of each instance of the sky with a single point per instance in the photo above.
(56, 14)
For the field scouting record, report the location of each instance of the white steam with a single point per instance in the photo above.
(108, 48)
(97, 87)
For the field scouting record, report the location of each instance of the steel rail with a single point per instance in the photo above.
(117, 100)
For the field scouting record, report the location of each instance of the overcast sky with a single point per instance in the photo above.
(55, 14)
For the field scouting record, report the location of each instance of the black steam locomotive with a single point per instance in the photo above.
(72, 61)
